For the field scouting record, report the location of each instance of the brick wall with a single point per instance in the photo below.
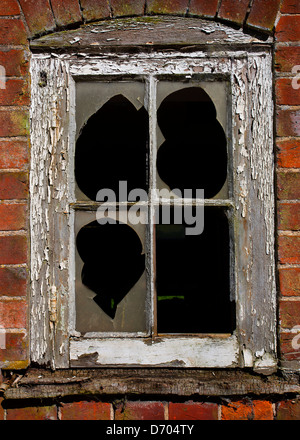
(24, 19)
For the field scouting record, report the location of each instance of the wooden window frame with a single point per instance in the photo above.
(54, 340)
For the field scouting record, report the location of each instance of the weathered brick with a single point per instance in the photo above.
(95, 9)
(288, 185)
(289, 281)
(140, 411)
(14, 154)
(13, 249)
(289, 216)
(16, 92)
(178, 7)
(130, 7)
(286, 94)
(12, 314)
(289, 313)
(32, 413)
(288, 28)
(255, 410)
(288, 153)
(38, 15)
(286, 57)
(13, 185)
(290, 7)
(289, 249)
(13, 281)
(290, 346)
(9, 7)
(13, 217)
(14, 123)
(85, 410)
(15, 347)
(66, 12)
(12, 31)
(15, 62)
(203, 8)
(193, 411)
(288, 122)
(288, 410)
(234, 11)
(263, 14)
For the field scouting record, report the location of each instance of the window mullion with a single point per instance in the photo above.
(150, 93)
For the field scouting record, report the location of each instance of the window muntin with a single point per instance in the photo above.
(190, 154)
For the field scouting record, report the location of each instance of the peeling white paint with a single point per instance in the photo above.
(52, 184)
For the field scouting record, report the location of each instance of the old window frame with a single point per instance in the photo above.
(53, 338)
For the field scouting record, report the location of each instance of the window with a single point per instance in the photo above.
(129, 155)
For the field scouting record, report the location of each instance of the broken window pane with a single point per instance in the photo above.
(193, 147)
(112, 145)
(193, 277)
(110, 275)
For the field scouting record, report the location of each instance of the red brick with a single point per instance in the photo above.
(12, 314)
(38, 15)
(85, 411)
(286, 94)
(12, 31)
(233, 11)
(9, 7)
(140, 411)
(290, 7)
(66, 11)
(15, 62)
(130, 7)
(13, 249)
(288, 185)
(290, 346)
(289, 313)
(288, 28)
(193, 411)
(13, 217)
(16, 92)
(288, 410)
(288, 153)
(14, 154)
(13, 281)
(255, 410)
(286, 58)
(14, 123)
(203, 8)
(289, 249)
(16, 347)
(167, 7)
(289, 216)
(95, 9)
(263, 14)
(288, 122)
(32, 413)
(289, 281)
(13, 186)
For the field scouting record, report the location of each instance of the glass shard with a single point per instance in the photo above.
(193, 154)
(112, 147)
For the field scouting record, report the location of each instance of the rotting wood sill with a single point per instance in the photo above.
(41, 383)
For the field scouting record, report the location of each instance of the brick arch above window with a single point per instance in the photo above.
(45, 16)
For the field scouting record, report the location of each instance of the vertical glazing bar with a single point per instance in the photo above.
(150, 104)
